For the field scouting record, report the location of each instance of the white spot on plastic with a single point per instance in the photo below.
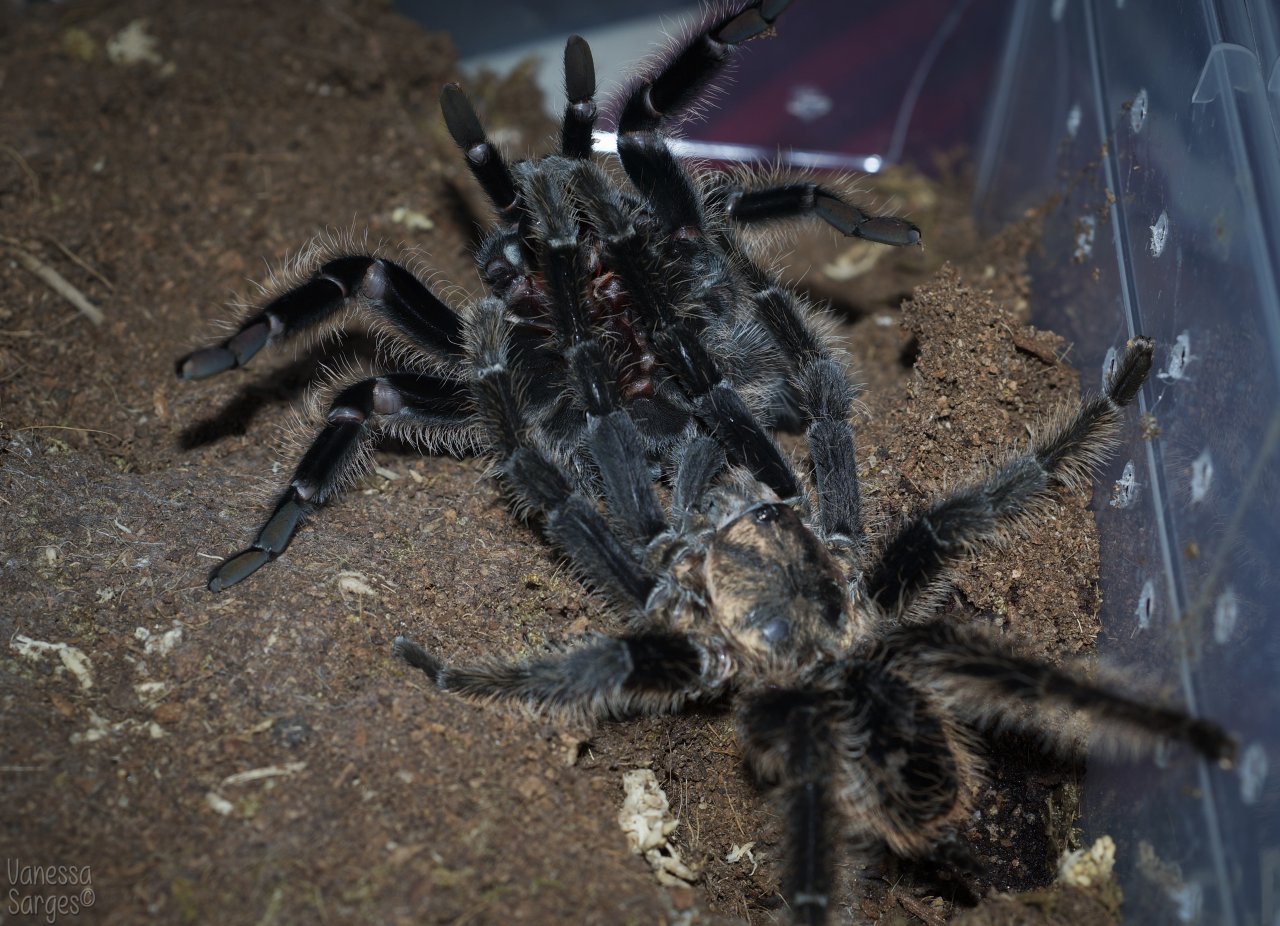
(1201, 476)
(1138, 111)
(1125, 489)
(1253, 773)
(1162, 754)
(1059, 7)
(1226, 613)
(1188, 900)
(1159, 235)
(1073, 120)
(808, 104)
(1109, 363)
(1179, 357)
(1086, 229)
(1146, 605)
(873, 164)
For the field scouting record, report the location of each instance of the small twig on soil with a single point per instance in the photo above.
(64, 427)
(58, 283)
(80, 262)
(22, 163)
(920, 911)
(733, 810)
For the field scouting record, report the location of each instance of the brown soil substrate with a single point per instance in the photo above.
(258, 756)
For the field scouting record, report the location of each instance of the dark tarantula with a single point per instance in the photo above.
(631, 350)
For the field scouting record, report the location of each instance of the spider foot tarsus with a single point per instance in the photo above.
(419, 658)
(580, 88)
(486, 163)
(799, 199)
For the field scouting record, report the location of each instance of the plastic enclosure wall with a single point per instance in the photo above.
(1156, 124)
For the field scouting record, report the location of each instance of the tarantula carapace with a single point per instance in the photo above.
(627, 376)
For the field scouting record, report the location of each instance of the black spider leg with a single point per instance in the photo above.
(918, 555)
(675, 336)
(826, 402)
(615, 444)
(998, 687)
(668, 93)
(792, 200)
(808, 808)
(572, 521)
(580, 88)
(386, 288)
(430, 407)
(609, 677)
(700, 460)
(483, 158)
(788, 737)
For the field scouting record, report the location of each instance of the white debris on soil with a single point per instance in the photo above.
(159, 644)
(412, 219)
(218, 804)
(355, 583)
(737, 853)
(1085, 867)
(645, 819)
(73, 660)
(134, 45)
(268, 771)
(100, 728)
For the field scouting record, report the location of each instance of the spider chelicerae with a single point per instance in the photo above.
(627, 376)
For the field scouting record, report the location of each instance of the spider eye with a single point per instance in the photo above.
(766, 513)
(776, 631)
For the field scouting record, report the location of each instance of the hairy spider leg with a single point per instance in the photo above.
(701, 460)
(911, 568)
(826, 405)
(793, 200)
(580, 89)
(990, 686)
(483, 158)
(380, 286)
(608, 677)
(806, 799)
(667, 94)
(429, 408)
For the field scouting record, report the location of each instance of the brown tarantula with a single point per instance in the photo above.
(632, 351)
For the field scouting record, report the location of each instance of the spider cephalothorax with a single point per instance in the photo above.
(626, 376)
